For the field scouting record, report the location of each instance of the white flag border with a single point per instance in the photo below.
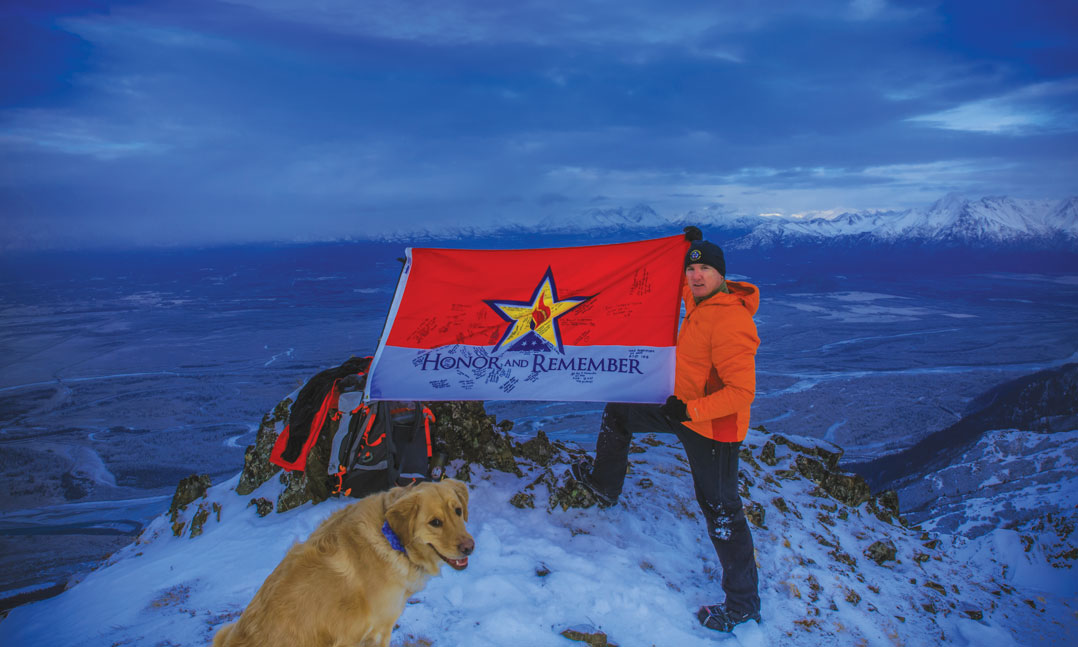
(402, 282)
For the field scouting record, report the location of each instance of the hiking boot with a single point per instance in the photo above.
(719, 618)
(580, 470)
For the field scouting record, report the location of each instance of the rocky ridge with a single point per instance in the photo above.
(862, 552)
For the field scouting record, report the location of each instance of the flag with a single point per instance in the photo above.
(596, 323)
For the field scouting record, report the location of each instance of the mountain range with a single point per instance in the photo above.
(952, 221)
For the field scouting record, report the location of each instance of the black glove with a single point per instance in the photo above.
(675, 409)
(693, 233)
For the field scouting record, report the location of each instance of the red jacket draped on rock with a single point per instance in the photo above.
(716, 361)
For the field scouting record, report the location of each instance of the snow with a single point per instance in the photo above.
(636, 572)
(953, 217)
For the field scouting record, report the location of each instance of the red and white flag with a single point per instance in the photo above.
(595, 323)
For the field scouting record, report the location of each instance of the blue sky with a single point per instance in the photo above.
(204, 121)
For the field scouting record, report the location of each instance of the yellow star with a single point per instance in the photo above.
(539, 315)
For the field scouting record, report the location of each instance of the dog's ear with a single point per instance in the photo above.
(401, 516)
(461, 490)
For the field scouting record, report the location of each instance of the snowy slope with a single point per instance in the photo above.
(635, 572)
(1007, 478)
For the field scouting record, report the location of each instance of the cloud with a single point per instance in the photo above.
(1041, 107)
(201, 121)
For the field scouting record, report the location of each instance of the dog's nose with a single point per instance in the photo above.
(467, 545)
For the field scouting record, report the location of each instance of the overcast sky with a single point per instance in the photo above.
(205, 121)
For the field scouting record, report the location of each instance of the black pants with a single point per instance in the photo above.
(714, 468)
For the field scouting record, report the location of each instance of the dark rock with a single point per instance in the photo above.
(282, 410)
(199, 520)
(262, 506)
(464, 473)
(888, 500)
(885, 507)
(464, 431)
(295, 492)
(746, 457)
(829, 458)
(570, 494)
(847, 488)
(784, 507)
(974, 614)
(589, 635)
(523, 500)
(882, 551)
(188, 491)
(821, 540)
(538, 450)
(844, 558)
(767, 454)
(937, 587)
(755, 513)
(257, 468)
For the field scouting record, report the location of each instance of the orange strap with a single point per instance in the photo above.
(428, 417)
(338, 479)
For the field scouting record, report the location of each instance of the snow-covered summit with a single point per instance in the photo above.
(836, 566)
(952, 220)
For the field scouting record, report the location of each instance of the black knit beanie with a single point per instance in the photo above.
(707, 253)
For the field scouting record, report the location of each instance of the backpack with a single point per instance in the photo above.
(387, 444)
(315, 405)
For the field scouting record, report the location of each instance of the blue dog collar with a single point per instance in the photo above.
(392, 537)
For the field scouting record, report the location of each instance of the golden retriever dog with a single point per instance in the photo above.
(348, 583)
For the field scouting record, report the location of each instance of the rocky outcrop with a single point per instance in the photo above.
(295, 491)
(568, 493)
(257, 469)
(538, 450)
(847, 488)
(465, 432)
(188, 491)
(317, 484)
(882, 551)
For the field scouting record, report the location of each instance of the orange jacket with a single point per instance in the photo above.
(716, 361)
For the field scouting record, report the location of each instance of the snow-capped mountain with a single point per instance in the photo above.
(612, 223)
(951, 221)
